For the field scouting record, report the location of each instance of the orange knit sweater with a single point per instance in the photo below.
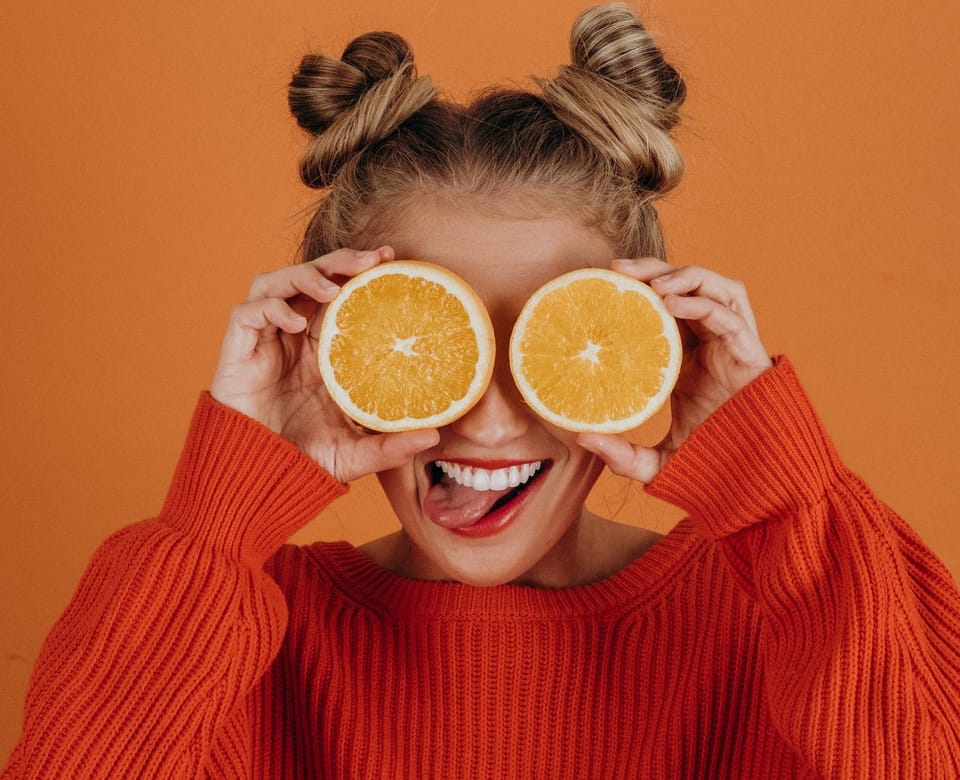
(792, 627)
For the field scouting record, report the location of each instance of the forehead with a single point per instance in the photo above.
(504, 258)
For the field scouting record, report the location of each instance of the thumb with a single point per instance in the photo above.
(397, 448)
(383, 451)
(623, 458)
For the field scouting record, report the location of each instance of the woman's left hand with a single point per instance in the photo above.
(722, 354)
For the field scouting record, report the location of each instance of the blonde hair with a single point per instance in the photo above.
(594, 140)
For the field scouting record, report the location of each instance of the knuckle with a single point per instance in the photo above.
(274, 306)
(257, 284)
(344, 255)
(331, 260)
(361, 261)
(238, 312)
(738, 293)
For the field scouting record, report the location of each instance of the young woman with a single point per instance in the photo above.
(792, 626)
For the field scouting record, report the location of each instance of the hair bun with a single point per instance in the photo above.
(612, 42)
(350, 103)
(621, 95)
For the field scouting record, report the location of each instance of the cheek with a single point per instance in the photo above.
(585, 465)
(568, 440)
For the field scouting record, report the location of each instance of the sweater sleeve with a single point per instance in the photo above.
(860, 630)
(174, 621)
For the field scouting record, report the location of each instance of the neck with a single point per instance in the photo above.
(593, 549)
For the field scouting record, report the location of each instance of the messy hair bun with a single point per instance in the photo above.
(591, 144)
(351, 103)
(621, 95)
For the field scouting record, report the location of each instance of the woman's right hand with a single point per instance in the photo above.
(268, 368)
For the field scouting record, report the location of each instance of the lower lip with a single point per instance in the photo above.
(502, 518)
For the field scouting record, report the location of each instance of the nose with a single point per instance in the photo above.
(499, 417)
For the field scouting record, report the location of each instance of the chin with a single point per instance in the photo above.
(486, 579)
(484, 568)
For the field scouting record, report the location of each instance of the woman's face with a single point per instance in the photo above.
(529, 533)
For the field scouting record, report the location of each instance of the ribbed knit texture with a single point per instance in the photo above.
(793, 626)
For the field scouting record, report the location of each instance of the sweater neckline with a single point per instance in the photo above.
(364, 581)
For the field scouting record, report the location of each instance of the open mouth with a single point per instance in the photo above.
(469, 497)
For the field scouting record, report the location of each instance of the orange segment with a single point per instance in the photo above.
(406, 345)
(594, 350)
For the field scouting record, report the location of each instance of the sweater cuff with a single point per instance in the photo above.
(764, 454)
(241, 488)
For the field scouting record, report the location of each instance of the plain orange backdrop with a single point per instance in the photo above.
(149, 170)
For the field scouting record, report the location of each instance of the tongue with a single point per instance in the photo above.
(454, 506)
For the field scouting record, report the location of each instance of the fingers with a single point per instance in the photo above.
(646, 269)
(256, 322)
(711, 303)
(395, 449)
(623, 458)
(346, 263)
(707, 318)
(316, 278)
(383, 451)
(730, 294)
(691, 280)
(286, 283)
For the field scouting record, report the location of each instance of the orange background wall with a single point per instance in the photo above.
(149, 169)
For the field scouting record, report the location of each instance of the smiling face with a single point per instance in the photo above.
(501, 497)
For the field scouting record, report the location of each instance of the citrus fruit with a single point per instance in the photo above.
(406, 345)
(595, 350)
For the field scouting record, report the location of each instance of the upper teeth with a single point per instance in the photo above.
(489, 479)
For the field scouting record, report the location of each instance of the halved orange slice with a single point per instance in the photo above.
(406, 345)
(595, 350)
